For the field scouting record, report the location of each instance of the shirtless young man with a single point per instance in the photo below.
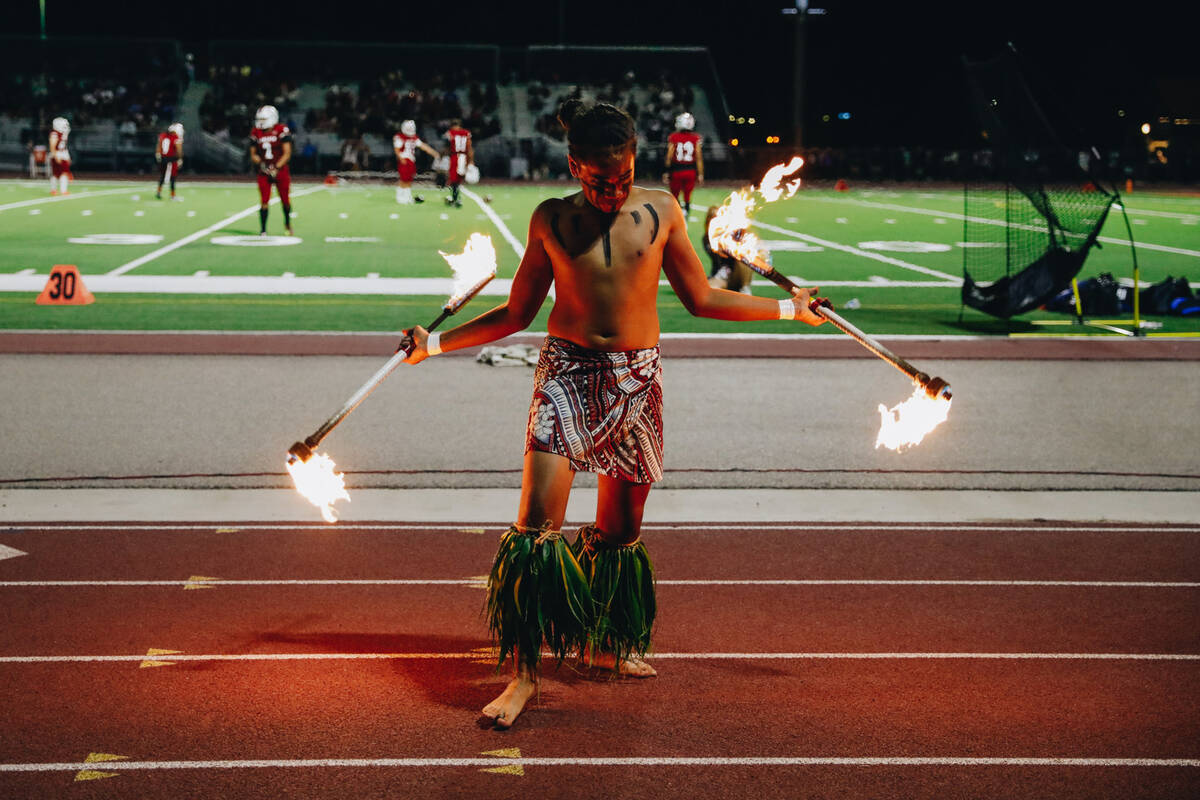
(603, 248)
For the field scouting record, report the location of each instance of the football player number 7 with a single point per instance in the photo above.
(266, 151)
(166, 146)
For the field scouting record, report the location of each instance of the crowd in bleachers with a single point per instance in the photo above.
(133, 101)
(374, 106)
(227, 110)
(653, 105)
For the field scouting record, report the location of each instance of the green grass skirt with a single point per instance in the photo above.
(537, 593)
(622, 583)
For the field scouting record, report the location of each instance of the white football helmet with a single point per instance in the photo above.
(176, 129)
(266, 117)
(685, 122)
(408, 128)
(472, 175)
(61, 125)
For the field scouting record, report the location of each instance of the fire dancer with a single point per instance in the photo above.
(597, 404)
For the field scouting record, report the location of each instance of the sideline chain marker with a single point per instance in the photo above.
(65, 288)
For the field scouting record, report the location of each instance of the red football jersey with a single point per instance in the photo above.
(168, 145)
(460, 139)
(684, 147)
(60, 146)
(407, 145)
(269, 143)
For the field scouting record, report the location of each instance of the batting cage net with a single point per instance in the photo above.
(1024, 240)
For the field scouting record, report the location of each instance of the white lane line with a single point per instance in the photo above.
(474, 582)
(610, 761)
(948, 527)
(186, 240)
(797, 656)
(1162, 248)
(517, 247)
(62, 198)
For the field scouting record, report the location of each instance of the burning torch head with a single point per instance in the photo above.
(473, 268)
(936, 388)
(300, 451)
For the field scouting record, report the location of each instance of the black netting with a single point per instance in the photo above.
(1026, 239)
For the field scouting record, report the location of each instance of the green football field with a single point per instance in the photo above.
(360, 262)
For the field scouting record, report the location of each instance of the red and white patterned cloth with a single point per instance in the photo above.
(601, 410)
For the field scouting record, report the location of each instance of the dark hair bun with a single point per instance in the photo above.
(569, 110)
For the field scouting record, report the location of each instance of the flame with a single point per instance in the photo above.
(472, 268)
(318, 483)
(728, 230)
(907, 423)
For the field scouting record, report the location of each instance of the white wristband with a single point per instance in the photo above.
(433, 345)
(787, 309)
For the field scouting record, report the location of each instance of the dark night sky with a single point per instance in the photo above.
(895, 66)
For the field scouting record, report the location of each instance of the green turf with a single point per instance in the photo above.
(831, 228)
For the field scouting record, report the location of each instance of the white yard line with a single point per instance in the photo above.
(949, 280)
(602, 761)
(63, 198)
(113, 283)
(1161, 248)
(186, 240)
(117, 283)
(227, 528)
(487, 209)
(748, 656)
(476, 582)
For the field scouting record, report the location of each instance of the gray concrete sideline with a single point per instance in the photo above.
(226, 421)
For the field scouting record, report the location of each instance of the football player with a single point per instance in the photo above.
(60, 156)
(462, 156)
(684, 161)
(405, 143)
(169, 155)
(270, 152)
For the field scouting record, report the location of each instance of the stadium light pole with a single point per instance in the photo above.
(42, 9)
(801, 11)
(798, 74)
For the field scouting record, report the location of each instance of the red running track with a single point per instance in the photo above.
(863, 661)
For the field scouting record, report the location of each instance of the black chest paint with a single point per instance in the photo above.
(585, 229)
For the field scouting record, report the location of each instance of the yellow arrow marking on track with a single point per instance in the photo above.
(505, 752)
(228, 530)
(154, 651)
(96, 758)
(200, 582)
(472, 530)
(478, 581)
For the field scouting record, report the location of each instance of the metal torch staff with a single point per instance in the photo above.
(304, 450)
(934, 387)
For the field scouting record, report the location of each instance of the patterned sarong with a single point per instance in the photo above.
(601, 410)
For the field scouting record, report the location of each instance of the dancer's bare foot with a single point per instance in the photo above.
(505, 709)
(632, 667)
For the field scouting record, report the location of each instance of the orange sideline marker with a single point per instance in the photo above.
(65, 288)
